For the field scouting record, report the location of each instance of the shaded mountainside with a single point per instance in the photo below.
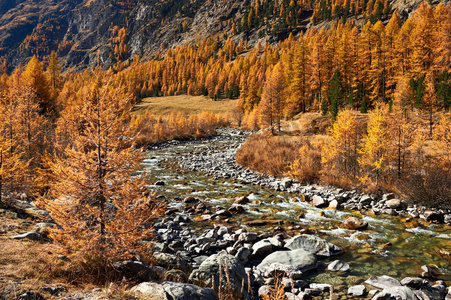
(85, 32)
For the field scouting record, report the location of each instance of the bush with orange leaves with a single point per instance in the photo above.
(152, 129)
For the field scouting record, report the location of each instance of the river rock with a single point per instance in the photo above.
(357, 290)
(294, 262)
(313, 244)
(30, 295)
(334, 204)
(430, 271)
(189, 199)
(382, 282)
(243, 254)
(365, 200)
(434, 216)
(247, 237)
(338, 266)
(242, 200)
(33, 236)
(149, 289)
(263, 248)
(396, 293)
(210, 268)
(435, 292)
(319, 201)
(413, 283)
(136, 270)
(395, 204)
(355, 223)
(186, 291)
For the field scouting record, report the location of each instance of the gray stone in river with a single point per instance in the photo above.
(413, 282)
(319, 201)
(243, 254)
(395, 204)
(294, 262)
(382, 282)
(355, 223)
(313, 244)
(396, 293)
(357, 290)
(263, 248)
(337, 266)
(210, 268)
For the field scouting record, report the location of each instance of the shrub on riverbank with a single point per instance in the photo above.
(152, 129)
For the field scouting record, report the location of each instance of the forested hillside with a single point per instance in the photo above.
(84, 32)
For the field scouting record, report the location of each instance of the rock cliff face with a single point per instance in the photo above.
(88, 32)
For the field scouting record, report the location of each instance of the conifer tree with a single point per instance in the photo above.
(374, 150)
(99, 206)
(271, 106)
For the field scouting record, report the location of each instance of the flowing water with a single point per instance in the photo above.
(390, 246)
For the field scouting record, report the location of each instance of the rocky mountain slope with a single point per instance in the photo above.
(87, 32)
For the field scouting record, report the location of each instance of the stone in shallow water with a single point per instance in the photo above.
(397, 293)
(382, 282)
(413, 283)
(337, 265)
(313, 244)
(293, 263)
(355, 224)
(318, 201)
(357, 290)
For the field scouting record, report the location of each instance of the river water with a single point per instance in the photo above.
(390, 246)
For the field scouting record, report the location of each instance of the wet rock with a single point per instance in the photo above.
(289, 262)
(319, 201)
(382, 282)
(324, 287)
(160, 183)
(189, 199)
(355, 223)
(33, 236)
(334, 204)
(242, 200)
(434, 216)
(413, 283)
(210, 268)
(357, 290)
(236, 209)
(313, 244)
(447, 219)
(430, 271)
(338, 266)
(388, 196)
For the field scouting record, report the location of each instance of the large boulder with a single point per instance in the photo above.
(313, 244)
(136, 270)
(210, 268)
(293, 263)
(354, 224)
(147, 290)
(34, 236)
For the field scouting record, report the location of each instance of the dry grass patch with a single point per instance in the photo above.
(184, 104)
(268, 154)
